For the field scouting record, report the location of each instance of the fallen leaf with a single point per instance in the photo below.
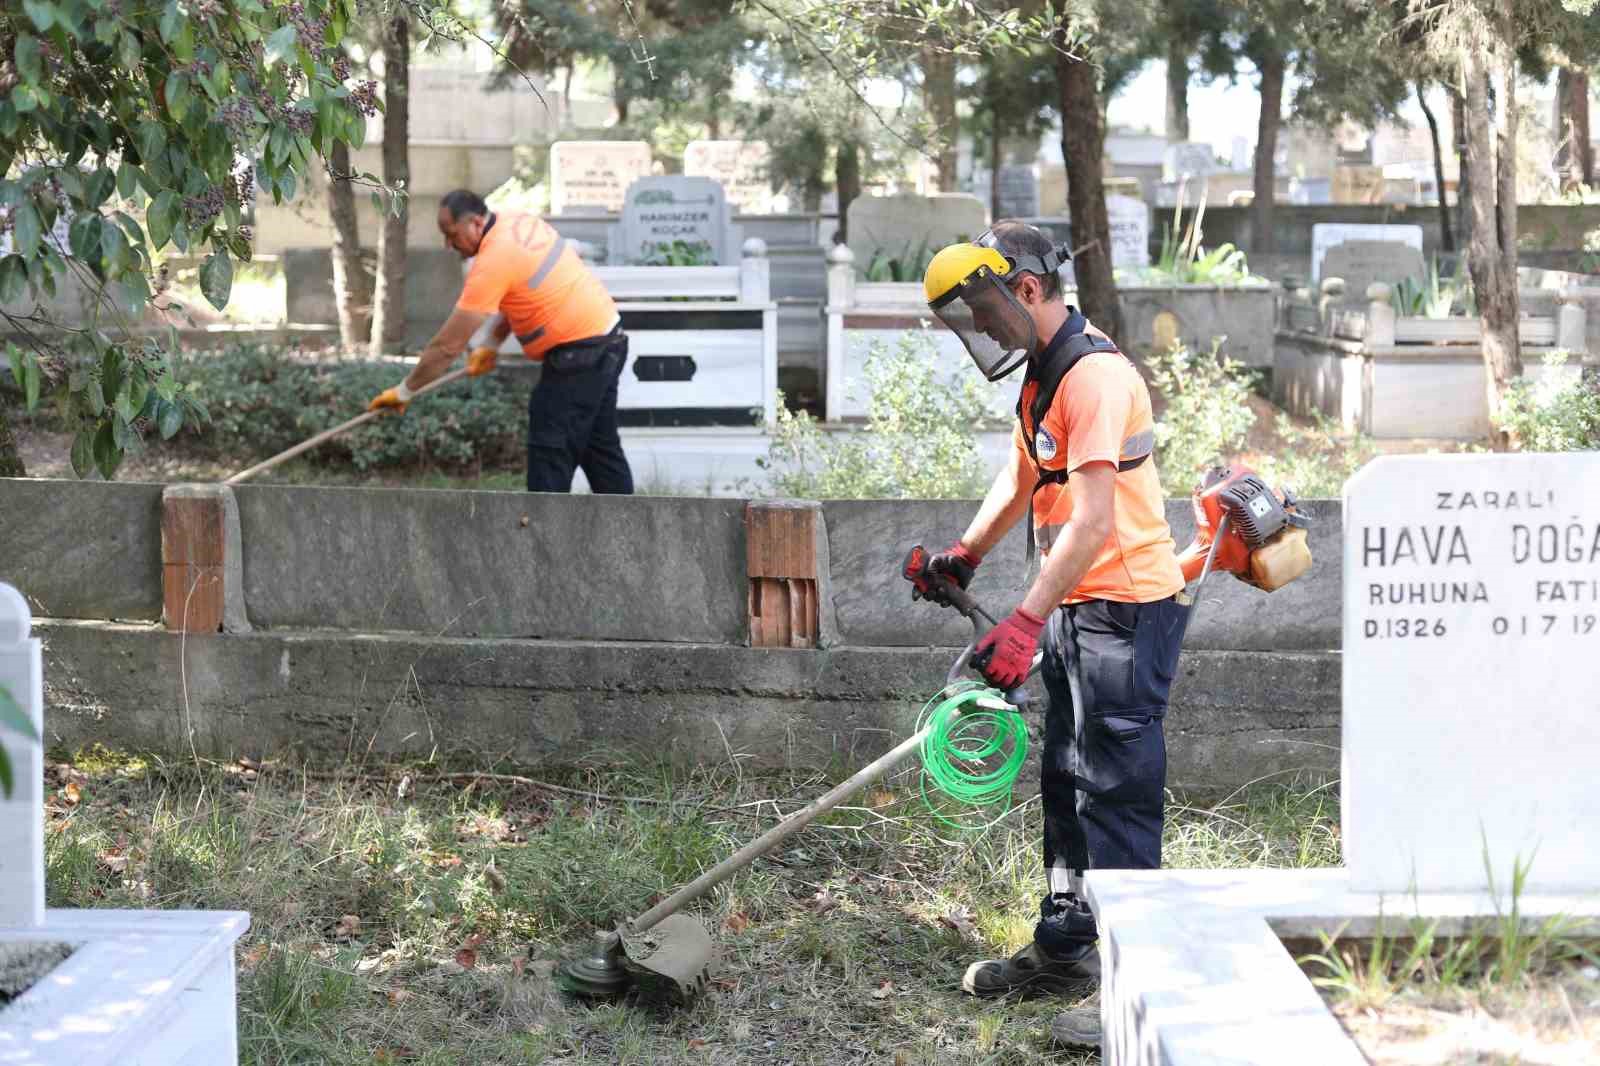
(696, 1044)
(113, 860)
(71, 794)
(254, 956)
(737, 922)
(883, 991)
(393, 1054)
(880, 797)
(523, 522)
(398, 996)
(347, 927)
(466, 958)
(961, 920)
(824, 901)
(475, 940)
(519, 964)
(404, 789)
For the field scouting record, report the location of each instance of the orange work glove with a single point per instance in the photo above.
(481, 360)
(395, 400)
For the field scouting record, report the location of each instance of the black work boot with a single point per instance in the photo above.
(1077, 1028)
(1034, 971)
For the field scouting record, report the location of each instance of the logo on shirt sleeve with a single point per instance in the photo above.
(1044, 445)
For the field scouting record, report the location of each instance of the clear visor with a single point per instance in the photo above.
(993, 326)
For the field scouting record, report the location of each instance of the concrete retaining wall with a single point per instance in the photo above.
(494, 564)
(331, 696)
(867, 539)
(553, 567)
(82, 549)
(563, 628)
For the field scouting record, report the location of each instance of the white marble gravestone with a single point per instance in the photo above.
(21, 813)
(1325, 235)
(905, 224)
(1130, 232)
(1472, 672)
(742, 167)
(594, 174)
(670, 210)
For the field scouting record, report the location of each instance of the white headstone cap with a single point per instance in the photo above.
(841, 253)
(16, 621)
(754, 248)
(1378, 292)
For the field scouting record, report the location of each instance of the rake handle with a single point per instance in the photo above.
(329, 434)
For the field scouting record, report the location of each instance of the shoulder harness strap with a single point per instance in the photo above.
(1057, 364)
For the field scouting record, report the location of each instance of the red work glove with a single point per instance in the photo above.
(1005, 654)
(956, 563)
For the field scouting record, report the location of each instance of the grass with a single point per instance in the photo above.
(398, 917)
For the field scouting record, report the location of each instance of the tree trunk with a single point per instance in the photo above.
(352, 288)
(939, 96)
(564, 119)
(1083, 149)
(1272, 68)
(847, 183)
(1177, 90)
(1458, 119)
(10, 459)
(1492, 253)
(389, 299)
(996, 156)
(1447, 238)
(1577, 108)
(1564, 130)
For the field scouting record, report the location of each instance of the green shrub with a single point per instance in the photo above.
(920, 440)
(1207, 414)
(1553, 417)
(263, 400)
(1316, 462)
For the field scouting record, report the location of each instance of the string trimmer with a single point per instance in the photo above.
(673, 953)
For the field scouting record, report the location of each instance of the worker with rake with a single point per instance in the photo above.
(1106, 607)
(529, 275)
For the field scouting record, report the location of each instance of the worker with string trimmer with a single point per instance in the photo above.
(1107, 607)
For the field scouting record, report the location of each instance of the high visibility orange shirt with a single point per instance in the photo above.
(528, 272)
(1101, 413)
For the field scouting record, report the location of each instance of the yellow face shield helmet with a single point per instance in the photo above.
(966, 286)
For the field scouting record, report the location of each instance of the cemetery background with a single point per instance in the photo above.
(306, 969)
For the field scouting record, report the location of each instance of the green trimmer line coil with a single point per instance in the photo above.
(975, 746)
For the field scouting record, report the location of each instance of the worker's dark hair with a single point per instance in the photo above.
(463, 202)
(1019, 238)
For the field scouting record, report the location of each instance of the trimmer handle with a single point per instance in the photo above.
(941, 589)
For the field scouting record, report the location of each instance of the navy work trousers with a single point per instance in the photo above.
(1107, 670)
(572, 419)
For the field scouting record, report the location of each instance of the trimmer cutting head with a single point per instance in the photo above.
(673, 961)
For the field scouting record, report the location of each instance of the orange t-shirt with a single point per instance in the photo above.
(527, 271)
(1101, 413)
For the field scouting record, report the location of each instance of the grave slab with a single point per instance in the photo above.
(1196, 972)
(141, 988)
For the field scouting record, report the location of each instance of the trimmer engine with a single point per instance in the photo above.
(1263, 533)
